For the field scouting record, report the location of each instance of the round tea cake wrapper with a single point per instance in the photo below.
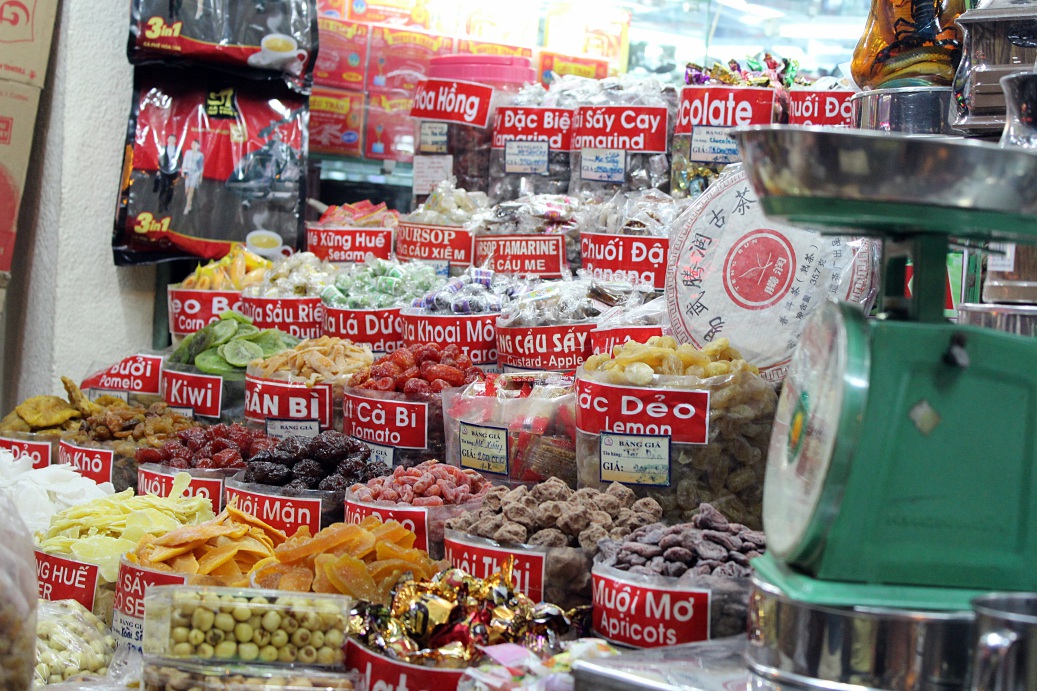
(733, 273)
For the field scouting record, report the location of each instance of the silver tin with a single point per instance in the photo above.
(1014, 319)
(908, 110)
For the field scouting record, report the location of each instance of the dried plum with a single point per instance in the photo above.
(352, 467)
(309, 470)
(296, 446)
(268, 473)
(376, 469)
(300, 484)
(274, 455)
(330, 447)
(334, 483)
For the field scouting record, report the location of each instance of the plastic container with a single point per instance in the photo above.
(705, 440)
(245, 625)
(207, 397)
(654, 611)
(286, 509)
(43, 448)
(519, 429)
(401, 429)
(454, 109)
(559, 575)
(474, 334)
(286, 409)
(302, 317)
(161, 674)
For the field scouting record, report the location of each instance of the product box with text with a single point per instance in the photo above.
(396, 12)
(551, 65)
(336, 122)
(399, 58)
(342, 60)
(18, 104)
(26, 28)
(389, 129)
(468, 46)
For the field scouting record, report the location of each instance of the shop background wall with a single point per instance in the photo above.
(69, 307)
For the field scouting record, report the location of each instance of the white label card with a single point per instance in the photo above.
(635, 459)
(713, 145)
(529, 158)
(279, 429)
(429, 171)
(1005, 260)
(603, 165)
(433, 138)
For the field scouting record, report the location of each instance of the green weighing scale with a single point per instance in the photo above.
(902, 474)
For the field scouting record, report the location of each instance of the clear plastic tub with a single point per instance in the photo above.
(161, 674)
(243, 625)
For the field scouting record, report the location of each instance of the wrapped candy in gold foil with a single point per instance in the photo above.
(444, 622)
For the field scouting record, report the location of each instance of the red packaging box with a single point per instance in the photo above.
(399, 58)
(389, 132)
(398, 12)
(332, 8)
(336, 121)
(342, 60)
(551, 65)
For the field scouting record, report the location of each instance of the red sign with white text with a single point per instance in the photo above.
(532, 254)
(401, 424)
(284, 513)
(381, 329)
(551, 125)
(640, 260)
(349, 245)
(202, 393)
(547, 348)
(682, 415)
(133, 584)
(302, 317)
(482, 561)
(135, 374)
(604, 340)
(190, 310)
(723, 106)
(434, 243)
(462, 103)
(641, 129)
(832, 108)
(153, 479)
(39, 451)
(474, 334)
(60, 578)
(268, 399)
(96, 464)
(628, 613)
(413, 518)
(385, 674)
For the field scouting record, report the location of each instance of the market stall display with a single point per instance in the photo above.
(350, 232)
(71, 644)
(702, 420)
(363, 560)
(289, 295)
(517, 428)
(630, 322)
(535, 236)
(505, 670)
(434, 231)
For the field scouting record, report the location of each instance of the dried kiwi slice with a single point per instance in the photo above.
(201, 342)
(223, 331)
(180, 354)
(211, 362)
(246, 331)
(270, 341)
(240, 352)
(236, 316)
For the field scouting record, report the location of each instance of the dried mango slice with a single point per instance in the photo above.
(390, 550)
(321, 582)
(192, 533)
(297, 580)
(324, 541)
(254, 546)
(383, 568)
(370, 522)
(269, 576)
(393, 531)
(185, 563)
(217, 557)
(360, 545)
(239, 516)
(162, 553)
(351, 577)
(229, 570)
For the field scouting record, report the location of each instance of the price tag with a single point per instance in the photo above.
(429, 171)
(528, 158)
(603, 165)
(485, 449)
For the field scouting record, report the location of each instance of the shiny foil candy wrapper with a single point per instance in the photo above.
(444, 622)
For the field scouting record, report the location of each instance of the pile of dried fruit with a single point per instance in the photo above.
(418, 369)
(330, 461)
(216, 447)
(428, 484)
(226, 346)
(323, 360)
(223, 551)
(364, 561)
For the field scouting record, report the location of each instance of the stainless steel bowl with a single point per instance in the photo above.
(884, 183)
(909, 110)
(846, 648)
(1014, 319)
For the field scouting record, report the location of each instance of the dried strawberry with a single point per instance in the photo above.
(406, 376)
(440, 385)
(426, 353)
(260, 444)
(228, 458)
(223, 443)
(473, 374)
(417, 386)
(448, 361)
(404, 359)
(178, 463)
(384, 384)
(174, 449)
(205, 463)
(387, 369)
(451, 374)
(146, 455)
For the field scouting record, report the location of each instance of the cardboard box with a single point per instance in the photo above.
(551, 65)
(389, 132)
(467, 46)
(18, 105)
(342, 60)
(336, 9)
(399, 58)
(26, 29)
(336, 121)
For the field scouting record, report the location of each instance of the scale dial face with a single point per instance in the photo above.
(822, 396)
